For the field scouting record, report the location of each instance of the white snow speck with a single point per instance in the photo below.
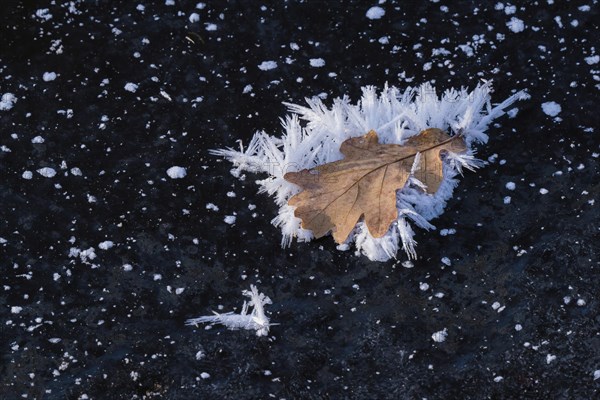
(543, 191)
(446, 261)
(518, 327)
(551, 108)
(423, 286)
(194, 17)
(127, 267)
(510, 185)
(49, 76)
(498, 379)
(54, 340)
(211, 206)
(3, 241)
(516, 25)
(47, 172)
(179, 290)
(592, 60)
(176, 172)
(37, 139)
(131, 87)
(317, 62)
(550, 358)
(200, 355)
(507, 200)
(408, 264)
(27, 175)
(76, 171)
(267, 65)
(375, 12)
(211, 27)
(107, 244)
(7, 102)
(16, 309)
(229, 219)
(440, 336)
(597, 374)
(205, 375)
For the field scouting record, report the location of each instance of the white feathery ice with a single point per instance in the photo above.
(312, 136)
(257, 319)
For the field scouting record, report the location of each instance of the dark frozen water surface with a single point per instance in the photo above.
(77, 327)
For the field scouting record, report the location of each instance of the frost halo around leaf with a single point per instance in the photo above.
(312, 136)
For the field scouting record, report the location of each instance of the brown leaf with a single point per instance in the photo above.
(364, 183)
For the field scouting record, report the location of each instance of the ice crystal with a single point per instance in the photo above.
(312, 136)
(257, 319)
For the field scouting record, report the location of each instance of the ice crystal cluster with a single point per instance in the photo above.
(257, 319)
(312, 135)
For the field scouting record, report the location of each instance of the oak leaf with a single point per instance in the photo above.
(337, 195)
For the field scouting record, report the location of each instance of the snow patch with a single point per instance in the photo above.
(516, 25)
(47, 172)
(267, 65)
(317, 62)
(131, 87)
(7, 102)
(551, 108)
(49, 76)
(176, 172)
(375, 12)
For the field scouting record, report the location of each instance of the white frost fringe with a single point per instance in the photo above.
(257, 320)
(396, 116)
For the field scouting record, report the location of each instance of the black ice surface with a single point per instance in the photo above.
(77, 327)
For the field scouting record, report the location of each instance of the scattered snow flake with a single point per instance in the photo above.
(516, 25)
(127, 267)
(194, 17)
(3, 241)
(231, 194)
(317, 62)
(131, 87)
(176, 172)
(440, 336)
(446, 232)
(37, 139)
(16, 309)
(597, 374)
(43, 13)
(267, 65)
(200, 355)
(27, 175)
(247, 89)
(205, 375)
(229, 219)
(518, 327)
(550, 358)
(107, 244)
(446, 261)
(54, 340)
(427, 66)
(592, 60)
(76, 171)
(498, 379)
(179, 290)
(496, 305)
(157, 277)
(543, 191)
(408, 264)
(211, 27)
(47, 172)
(375, 12)
(584, 8)
(510, 185)
(423, 286)
(507, 199)
(49, 76)
(211, 206)
(512, 113)
(581, 302)
(7, 102)
(551, 108)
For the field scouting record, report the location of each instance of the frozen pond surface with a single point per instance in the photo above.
(116, 225)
